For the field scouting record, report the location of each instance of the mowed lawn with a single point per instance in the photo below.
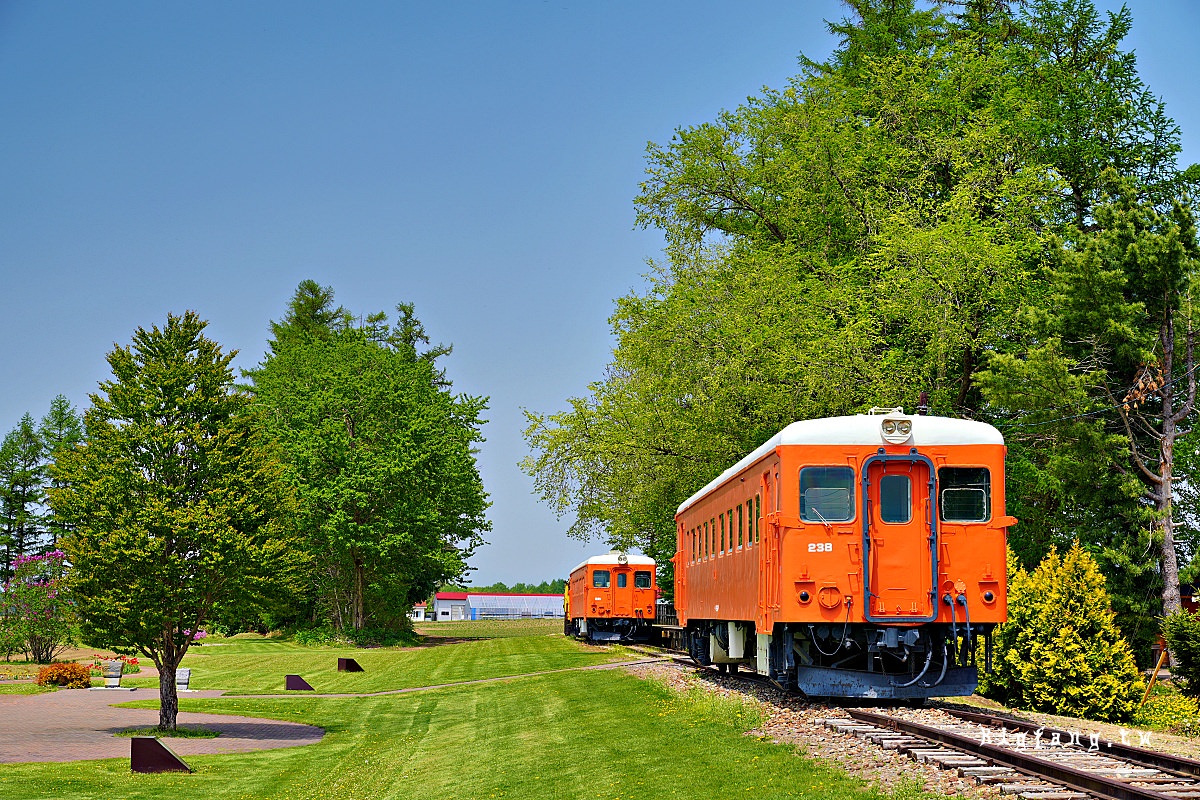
(578, 734)
(258, 665)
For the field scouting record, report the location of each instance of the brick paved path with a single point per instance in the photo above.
(75, 724)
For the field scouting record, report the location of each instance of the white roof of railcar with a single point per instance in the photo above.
(610, 559)
(861, 429)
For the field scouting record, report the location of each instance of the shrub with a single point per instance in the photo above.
(1182, 632)
(65, 673)
(1168, 710)
(315, 637)
(1060, 652)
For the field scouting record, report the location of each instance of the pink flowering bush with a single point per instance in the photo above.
(36, 616)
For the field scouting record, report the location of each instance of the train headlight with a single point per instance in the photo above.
(896, 431)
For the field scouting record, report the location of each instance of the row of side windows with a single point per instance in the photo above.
(827, 494)
(735, 529)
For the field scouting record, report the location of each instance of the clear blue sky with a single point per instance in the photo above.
(476, 158)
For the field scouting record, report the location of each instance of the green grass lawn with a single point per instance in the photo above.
(488, 628)
(587, 734)
(579, 734)
(258, 665)
(24, 688)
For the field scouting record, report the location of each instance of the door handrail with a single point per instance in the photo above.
(911, 456)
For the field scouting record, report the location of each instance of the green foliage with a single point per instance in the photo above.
(1182, 632)
(1166, 709)
(381, 455)
(38, 617)
(175, 501)
(556, 586)
(22, 471)
(67, 674)
(1060, 651)
(60, 431)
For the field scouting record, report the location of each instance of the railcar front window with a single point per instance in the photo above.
(966, 494)
(600, 579)
(826, 494)
(622, 580)
(895, 499)
(641, 580)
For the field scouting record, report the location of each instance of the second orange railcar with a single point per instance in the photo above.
(611, 598)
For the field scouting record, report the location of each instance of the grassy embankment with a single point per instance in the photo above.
(581, 734)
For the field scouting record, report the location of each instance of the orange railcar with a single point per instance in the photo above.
(611, 598)
(854, 556)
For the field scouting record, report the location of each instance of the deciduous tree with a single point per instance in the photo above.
(174, 502)
(381, 452)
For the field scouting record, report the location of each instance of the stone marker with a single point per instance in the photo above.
(148, 754)
(294, 683)
(111, 670)
(349, 665)
(112, 673)
(183, 676)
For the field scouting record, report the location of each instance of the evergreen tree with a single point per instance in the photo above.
(174, 504)
(21, 477)
(61, 430)
(1061, 652)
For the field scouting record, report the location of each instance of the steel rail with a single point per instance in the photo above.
(1041, 768)
(1176, 765)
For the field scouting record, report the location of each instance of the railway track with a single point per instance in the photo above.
(1024, 759)
(1019, 757)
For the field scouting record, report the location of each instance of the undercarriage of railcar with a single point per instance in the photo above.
(869, 662)
(613, 629)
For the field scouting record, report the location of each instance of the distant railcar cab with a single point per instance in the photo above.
(858, 556)
(611, 598)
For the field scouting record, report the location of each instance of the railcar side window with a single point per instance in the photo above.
(757, 511)
(722, 533)
(641, 580)
(600, 579)
(622, 580)
(707, 542)
(965, 494)
(895, 498)
(826, 494)
(741, 543)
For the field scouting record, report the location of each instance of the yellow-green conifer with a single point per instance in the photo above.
(1060, 651)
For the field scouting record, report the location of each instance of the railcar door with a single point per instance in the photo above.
(622, 603)
(899, 539)
(600, 592)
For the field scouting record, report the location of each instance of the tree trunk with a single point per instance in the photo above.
(1172, 416)
(359, 616)
(1170, 560)
(168, 709)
